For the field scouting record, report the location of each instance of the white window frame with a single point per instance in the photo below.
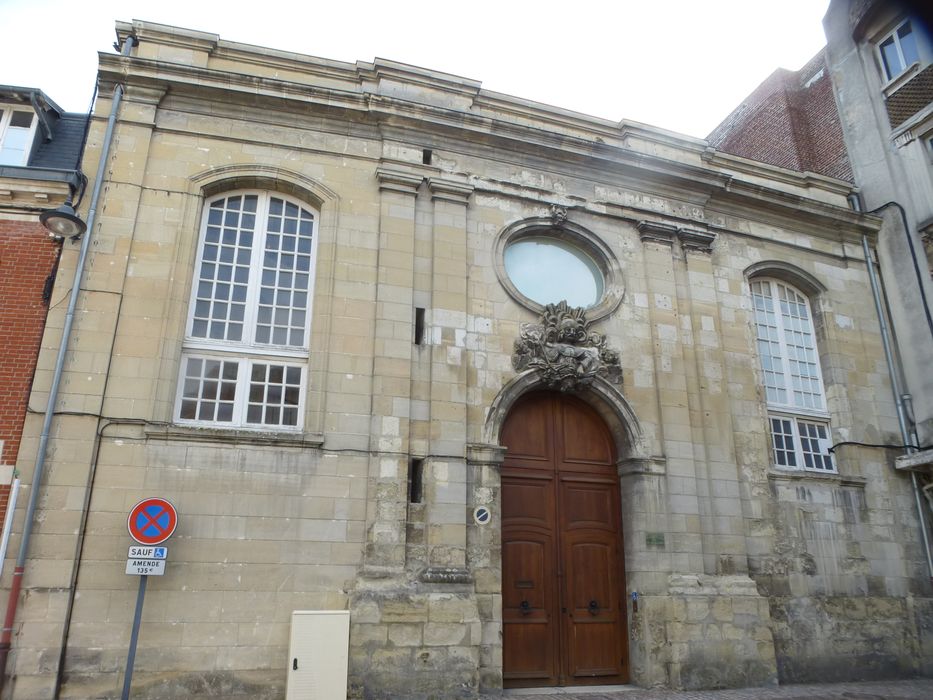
(896, 41)
(789, 410)
(8, 111)
(246, 352)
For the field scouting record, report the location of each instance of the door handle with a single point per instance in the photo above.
(593, 607)
(295, 664)
(525, 607)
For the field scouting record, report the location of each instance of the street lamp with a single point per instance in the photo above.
(63, 222)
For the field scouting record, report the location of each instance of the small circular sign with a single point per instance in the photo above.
(152, 521)
(481, 515)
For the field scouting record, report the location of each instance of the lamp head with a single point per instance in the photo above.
(62, 222)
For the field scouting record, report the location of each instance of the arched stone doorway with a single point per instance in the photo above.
(563, 579)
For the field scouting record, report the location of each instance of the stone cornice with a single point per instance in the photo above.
(166, 35)
(32, 190)
(398, 181)
(481, 453)
(449, 190)
(497, 124)
(796, 178)
(663, 233)
(696, 241)
(656, 232)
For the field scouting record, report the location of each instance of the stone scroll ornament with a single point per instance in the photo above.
(568, 355)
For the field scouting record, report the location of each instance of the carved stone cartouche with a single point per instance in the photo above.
(567, 353)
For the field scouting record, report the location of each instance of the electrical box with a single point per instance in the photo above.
(318, 652)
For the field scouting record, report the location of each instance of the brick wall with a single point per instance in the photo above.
(791, 121)
(27, 257)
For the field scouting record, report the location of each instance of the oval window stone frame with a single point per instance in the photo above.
(570, 234)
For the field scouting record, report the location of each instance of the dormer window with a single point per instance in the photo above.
(898, 50)
(16, 128)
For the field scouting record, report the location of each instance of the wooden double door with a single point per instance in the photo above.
(563, 589)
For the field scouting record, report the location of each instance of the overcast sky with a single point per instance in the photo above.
(678, 64)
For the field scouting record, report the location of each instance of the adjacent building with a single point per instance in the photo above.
(880, 58)
(40, 149)
(540, 399)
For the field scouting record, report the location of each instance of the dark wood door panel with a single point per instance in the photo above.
(527, 432)
(528, 502)
(584, 436)
(563, 590)
(530, 657)
(588, 505)
(526, 580)
(594, 595)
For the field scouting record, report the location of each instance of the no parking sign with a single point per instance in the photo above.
(152, 521)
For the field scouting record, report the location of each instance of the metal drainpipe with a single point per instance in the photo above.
(901, 418)
(6, 638)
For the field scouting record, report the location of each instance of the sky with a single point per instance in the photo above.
(676, 64)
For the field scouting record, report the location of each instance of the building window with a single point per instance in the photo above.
(797, 416)
(548, 270)
(245, 354)
(546, 260)
(16, 128)
(898, 50)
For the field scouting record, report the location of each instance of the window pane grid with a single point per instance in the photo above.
(769, 347)
(791, 374)
(801, 354)
(786, 347)
(274, 392)
(814, 440)
(251, 290)
(209, 390)
(798, 443)
(286, 274)
(222, 287)
(782, 439)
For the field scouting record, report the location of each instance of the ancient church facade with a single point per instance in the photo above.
(539, 398)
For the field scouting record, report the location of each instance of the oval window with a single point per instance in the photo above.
(548, 270)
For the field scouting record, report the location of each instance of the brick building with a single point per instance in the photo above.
(791, 121)
(534, 398)
(39, 155)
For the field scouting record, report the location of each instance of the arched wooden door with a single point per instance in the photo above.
(563, 583)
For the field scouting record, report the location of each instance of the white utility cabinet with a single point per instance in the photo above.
(318, 651)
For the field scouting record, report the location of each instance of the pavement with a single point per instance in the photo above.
(917, 689)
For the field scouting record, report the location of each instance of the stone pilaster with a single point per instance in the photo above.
(445, 468)
(724, 546)
(484, 556)
(394, 333)
(680, 549)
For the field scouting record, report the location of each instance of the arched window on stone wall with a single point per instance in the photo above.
(245, 353)
(798, 418)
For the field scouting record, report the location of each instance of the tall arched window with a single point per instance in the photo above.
(245, 353)
(797, 415)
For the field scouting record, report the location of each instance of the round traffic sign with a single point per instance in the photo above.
(152, 521)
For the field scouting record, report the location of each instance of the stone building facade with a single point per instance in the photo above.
(541, 399)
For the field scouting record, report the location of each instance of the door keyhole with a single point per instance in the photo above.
(525, 607)
(294, 664)
(593, 607)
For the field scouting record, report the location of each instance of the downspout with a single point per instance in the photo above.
(6, 637)
(913, 256)
(895, 387)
